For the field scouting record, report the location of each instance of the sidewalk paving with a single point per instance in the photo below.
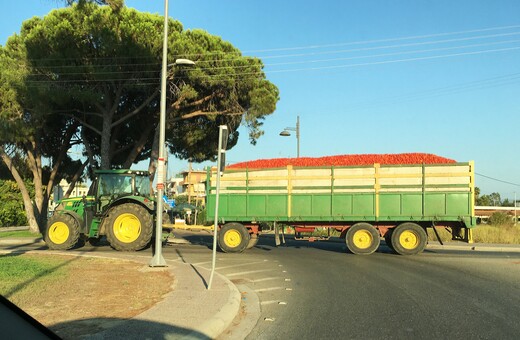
(189, 311)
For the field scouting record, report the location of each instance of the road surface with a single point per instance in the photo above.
(320, 291)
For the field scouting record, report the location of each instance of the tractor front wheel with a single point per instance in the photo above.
(62, 232)
(129, 227)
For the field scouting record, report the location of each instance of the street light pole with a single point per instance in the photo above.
(516, 219)
(298, 136)
(296, 129)
(158, 260)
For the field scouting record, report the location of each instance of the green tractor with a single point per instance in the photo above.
(119, 205)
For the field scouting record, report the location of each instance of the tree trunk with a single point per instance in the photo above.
(27, 202)
(105, 142)
(77, 176)
(138, 147)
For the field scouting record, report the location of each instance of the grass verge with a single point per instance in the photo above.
(18, 233)
(23, 276)
(483, 233)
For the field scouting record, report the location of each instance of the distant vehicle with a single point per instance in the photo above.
(119, 205)
(363, 204)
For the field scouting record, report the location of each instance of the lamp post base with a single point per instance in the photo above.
(157, 261)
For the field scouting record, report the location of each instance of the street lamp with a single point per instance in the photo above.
(286, 133)
(157, 259)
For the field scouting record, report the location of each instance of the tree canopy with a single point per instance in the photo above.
(89, 75)
(100, 68)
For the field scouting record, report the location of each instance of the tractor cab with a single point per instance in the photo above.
(113, 185)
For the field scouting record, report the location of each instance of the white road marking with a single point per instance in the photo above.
(238, 265)
(249, 272)
(267, 289)
(266, 279)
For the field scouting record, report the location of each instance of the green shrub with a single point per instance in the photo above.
(499, 218)
(12, 212)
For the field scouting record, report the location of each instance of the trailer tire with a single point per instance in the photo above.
(362, 239)
(129, 227)
(62, 232)
(408, 239)
(233, 238)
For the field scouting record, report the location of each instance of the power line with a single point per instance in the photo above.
(452, 89)
(383, 40)
(397, 53)
(397, 60)
(328, 67)
(497, 180)
(390, 46)
(363, 42)
(266, 65)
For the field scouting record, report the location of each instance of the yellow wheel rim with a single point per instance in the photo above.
(232, 238)
(409, 240)
(59, 232)
(127, 228)
(362, 239)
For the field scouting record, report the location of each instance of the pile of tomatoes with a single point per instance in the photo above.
(345, 160)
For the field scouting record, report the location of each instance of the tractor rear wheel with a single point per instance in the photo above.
(129, 227)
(62, 232)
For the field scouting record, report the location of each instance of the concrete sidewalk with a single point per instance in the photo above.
(189, 311)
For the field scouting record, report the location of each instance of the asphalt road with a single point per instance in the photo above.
(320, 291)
(434, 295)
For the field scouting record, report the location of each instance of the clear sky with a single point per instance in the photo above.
(368, 76)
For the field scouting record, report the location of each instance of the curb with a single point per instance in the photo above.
(220, 321)
(478, 247)
(21, 241)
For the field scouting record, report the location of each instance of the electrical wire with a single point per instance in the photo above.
(53, 70)
(257, 73)
(498, 180)
(361, 42)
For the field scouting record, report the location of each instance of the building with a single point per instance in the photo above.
(194, 186)
(80, 189)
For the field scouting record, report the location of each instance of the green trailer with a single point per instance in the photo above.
(362, 204)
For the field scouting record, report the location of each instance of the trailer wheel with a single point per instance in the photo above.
(233, 238)
(362, 239)
(62, 232)
(129, 227)
(408, 239)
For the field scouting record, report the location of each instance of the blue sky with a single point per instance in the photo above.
(366, 76)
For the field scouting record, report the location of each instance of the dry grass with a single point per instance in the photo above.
(77, 296)
(484, 233)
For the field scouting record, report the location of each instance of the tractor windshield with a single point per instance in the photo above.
(142, 185)
(110, 184)
(115, 184)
